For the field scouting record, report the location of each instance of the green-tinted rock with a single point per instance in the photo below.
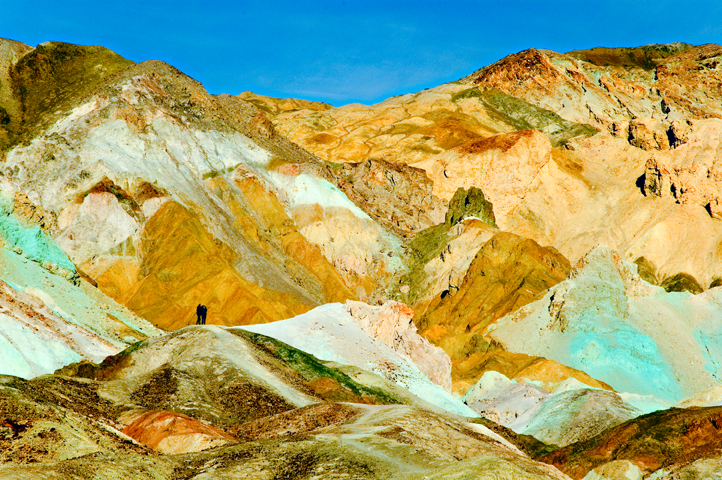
(646, 270)
(53, 78)
(522, 115)
(30, 240)
(310, 368)
(682, 282)
(646, 57)
(469, 203)
(429, 243)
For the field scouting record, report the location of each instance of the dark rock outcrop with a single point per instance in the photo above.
(682, 282)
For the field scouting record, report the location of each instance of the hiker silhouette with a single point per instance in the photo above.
(201, 312)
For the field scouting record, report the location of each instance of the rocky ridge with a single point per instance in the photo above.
(379, 437)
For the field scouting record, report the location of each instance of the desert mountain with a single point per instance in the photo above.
(618, 147)
(523, 264)
(130, 157)
(654, 108)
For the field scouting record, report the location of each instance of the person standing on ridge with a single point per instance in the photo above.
(199, 314)
(204, 312)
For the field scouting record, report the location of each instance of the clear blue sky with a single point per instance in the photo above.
(350, 51)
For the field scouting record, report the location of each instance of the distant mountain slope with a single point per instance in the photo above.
(656, 110)
(647, 56)
(607, 86)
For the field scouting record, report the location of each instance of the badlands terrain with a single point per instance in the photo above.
(516, 275)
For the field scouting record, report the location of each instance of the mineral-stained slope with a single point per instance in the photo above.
(507, 402)
(169, 432)
(414, 127)
(655, 107)
(608, 322)
(577, 415)
(506, 273)
(10, 53)
(469, 202)
(568, 413)
(55, 419)
(344, 334)
(594, 87)
(50, 315)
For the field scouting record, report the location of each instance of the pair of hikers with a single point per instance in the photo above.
(201, 312)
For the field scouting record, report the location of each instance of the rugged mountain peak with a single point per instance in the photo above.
(603, 87)
(275, 106)
(647, 57)
(10, 53)
(519, 68)
(49, 80)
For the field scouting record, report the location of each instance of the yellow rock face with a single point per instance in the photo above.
(506, 274)
(414, 127)
(281, 232)
(275, 106)
(552, 373)
(184, 266)
(516, 366)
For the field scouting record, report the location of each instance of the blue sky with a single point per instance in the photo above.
(350, 51)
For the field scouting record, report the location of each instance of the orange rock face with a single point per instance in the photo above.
(170, 432)
(503, 166)
(185, 266)
(659, 439)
